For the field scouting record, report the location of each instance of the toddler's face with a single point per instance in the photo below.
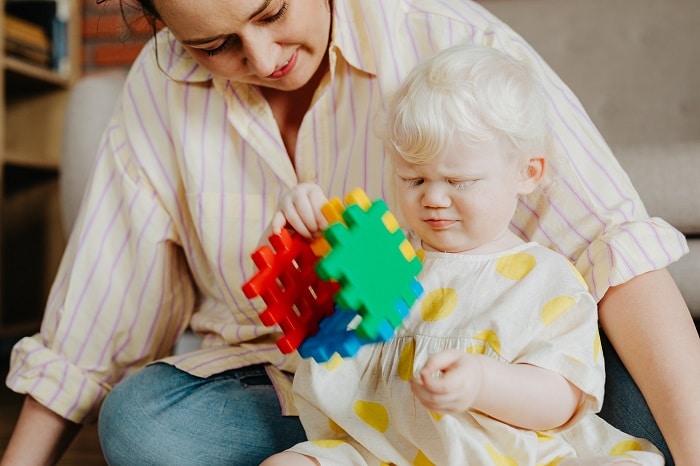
(464, 198)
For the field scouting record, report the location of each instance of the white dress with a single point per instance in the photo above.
(525, 305)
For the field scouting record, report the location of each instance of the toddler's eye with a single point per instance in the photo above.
(413, 182)
(462, 184)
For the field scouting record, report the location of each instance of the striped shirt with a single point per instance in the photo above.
(190, 170)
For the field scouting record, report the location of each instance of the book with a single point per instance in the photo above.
(22, 50)
(27, 40)
(48, 16)
(26, 32)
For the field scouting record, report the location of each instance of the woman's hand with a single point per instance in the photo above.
(301, 209)
(450, 382)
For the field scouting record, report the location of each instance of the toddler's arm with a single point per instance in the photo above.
(518, 394)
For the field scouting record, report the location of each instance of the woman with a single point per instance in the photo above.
(226, 109)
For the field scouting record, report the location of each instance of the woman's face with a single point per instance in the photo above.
(272, 43)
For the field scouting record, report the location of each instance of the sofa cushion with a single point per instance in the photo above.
(667, 177)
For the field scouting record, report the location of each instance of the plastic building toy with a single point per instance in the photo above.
(296, 298)
(368, 271)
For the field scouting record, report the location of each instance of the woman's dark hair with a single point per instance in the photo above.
(136, 10)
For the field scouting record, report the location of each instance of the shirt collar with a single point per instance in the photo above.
(346, 40)
(349, 37)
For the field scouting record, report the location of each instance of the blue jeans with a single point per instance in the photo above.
(623, 405)
(163, 416)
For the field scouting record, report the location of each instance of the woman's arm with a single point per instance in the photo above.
(648, 323)
(518, 394)
(40, 436)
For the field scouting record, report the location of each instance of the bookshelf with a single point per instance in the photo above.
(35, 81)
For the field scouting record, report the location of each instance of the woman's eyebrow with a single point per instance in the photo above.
(260, 10)
(205, 40)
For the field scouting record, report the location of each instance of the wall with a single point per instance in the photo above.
(108, 42)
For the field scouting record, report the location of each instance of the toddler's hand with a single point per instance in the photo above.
(301, 208)
(449, 382)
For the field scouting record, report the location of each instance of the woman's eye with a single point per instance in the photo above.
(224, 45)
(277, 16)
(233, 40)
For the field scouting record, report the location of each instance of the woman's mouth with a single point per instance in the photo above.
(286, 68)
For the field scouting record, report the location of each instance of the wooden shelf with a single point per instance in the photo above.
(32, 109)
(27, 69)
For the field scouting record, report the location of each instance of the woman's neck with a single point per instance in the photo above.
(290, 107)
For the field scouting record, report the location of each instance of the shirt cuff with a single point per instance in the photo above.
(54, 382)
(629, 250)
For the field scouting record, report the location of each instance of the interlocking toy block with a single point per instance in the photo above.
(376, 267)
(296, 298)
(336, 334)
(368, 270)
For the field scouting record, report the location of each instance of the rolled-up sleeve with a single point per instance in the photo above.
(629, 250)
(122, 296)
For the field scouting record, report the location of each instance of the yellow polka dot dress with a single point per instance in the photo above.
(525, 305)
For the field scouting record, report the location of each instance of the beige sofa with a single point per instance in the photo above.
(634, 64)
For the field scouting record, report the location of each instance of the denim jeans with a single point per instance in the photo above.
(163, 416)
(623, 405)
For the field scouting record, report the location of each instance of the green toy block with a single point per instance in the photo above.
(375, 265)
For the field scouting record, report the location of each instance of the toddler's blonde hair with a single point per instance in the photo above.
(476, 92)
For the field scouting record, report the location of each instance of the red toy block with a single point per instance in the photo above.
(296, 298)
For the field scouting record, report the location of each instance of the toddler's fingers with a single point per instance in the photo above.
(317, 200)
(440, 362)
(278, 222)
(296, 222)
(308, 214)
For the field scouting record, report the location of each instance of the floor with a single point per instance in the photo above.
(85, 449)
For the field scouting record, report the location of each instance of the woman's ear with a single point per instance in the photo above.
(532, 174)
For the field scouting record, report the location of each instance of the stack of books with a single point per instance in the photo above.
(36, 31)
(27, 40)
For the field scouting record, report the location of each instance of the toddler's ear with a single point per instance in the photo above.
(532, 174)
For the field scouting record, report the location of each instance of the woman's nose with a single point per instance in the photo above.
(257, 52)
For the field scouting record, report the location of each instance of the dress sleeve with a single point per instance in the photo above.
(564, 328)
(123, 293)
